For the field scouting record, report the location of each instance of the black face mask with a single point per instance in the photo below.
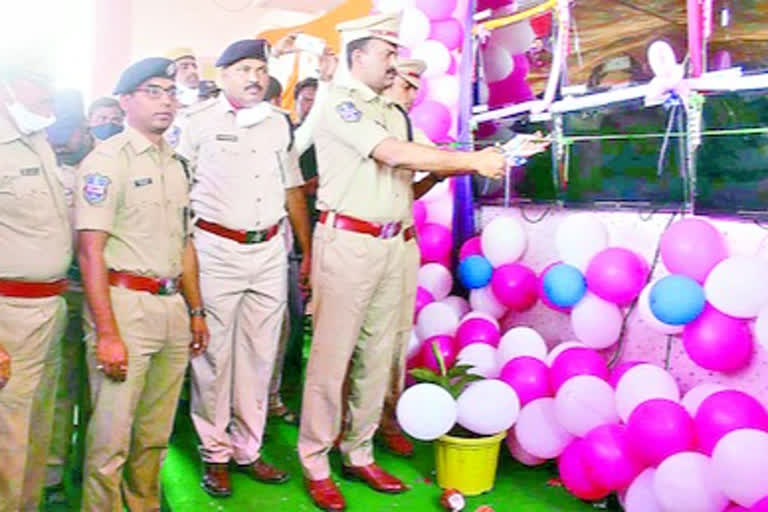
(106, 130)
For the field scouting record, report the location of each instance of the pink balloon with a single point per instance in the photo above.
(470, 248)
(433, 118)
(519, 453)
(620, 370)
(516, 286)
(576, 361)
(692, 247)
(608, 458)
(423, 92)
(449, 32)
(512, 89)
(573, 473)
(659, 428)
(477, 330)
(543, 296)
(718, 342)
(434, 243)
(436, 9)
(490, 4)
(419, 213)
(617, 275)
(724, 412)
(529, 377)
(447, 347)
(453, 67)
(760, 506)
(423, 297)
(738, 508)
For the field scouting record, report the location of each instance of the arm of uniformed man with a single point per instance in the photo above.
(5, 367)
(296, 204)
(190, 287)
(96, 197)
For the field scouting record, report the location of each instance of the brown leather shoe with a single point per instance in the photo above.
(216, 480)
(397, 443)
(326, 495)
(264, 472)
(376, 478)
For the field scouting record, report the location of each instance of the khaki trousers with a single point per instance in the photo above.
(357, 287)
(410, 278)
(30, 330)
(131, 421)
(244, 289)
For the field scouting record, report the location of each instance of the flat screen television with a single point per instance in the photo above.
(732, 168)
(613, 158)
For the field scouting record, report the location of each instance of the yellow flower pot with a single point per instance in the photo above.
(467, 465)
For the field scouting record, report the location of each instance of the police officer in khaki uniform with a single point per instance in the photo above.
(187, 75)
(246, 175)
(359, 248)
(35, 251)
(131, 211)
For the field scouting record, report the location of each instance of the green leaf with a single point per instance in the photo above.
(426, 375)
(439, 357)
(459, 370)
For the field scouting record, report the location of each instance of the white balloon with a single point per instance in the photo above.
(562, 347)
(440, 212)
(578, 238)
(686, 482)
(584, 402)
(640, 496)
(414, 344)
(738, 286)
(519, 342)
(426, 411)
(740, 461)
(497, 63)
(480, 314)
(436, 279)
(483, 357)
(642, 383)
(459, 304)
(596, 322)
(436, 319)
(488, 407)
(438, 192)
(414, 27)
(483, 299)
(391, 6)
(503, 241)
(436, 55)
(515, 38)
(761, 328)
(762, 250)
(647, 316)
(444, 89)
(538, 430)
(693, 398)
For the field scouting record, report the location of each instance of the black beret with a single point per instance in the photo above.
(136, 74)
(244, 49)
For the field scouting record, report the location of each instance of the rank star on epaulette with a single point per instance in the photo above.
(349, 112)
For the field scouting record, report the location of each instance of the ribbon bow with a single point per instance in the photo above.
(668, 77)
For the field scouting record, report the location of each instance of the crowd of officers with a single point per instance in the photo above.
(173, 224)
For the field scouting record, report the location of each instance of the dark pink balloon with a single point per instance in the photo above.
(423, 297)
(622, 368)
(419, 213)
(608, 458)
(434, 242)
(576, 361)
(446, 346)
(449, 32)
(659, 428)
(486, 129)
(528, 376)
(516, 286)
(470, 248)
(760, 506)
(543, 296)
(477, 330)
(491, 4)
(573, 473)
(718, 342)
(724, 412)
(737, 508)
(511, 90)
(617, 275)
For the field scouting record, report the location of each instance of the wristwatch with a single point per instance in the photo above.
(197, 312)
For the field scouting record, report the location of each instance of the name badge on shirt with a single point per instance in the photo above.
(141, 182)
(224, 137)
(30, 171)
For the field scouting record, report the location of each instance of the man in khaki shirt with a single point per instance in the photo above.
(131, 212)
(35, 251)
(358, 248)
(246, 179)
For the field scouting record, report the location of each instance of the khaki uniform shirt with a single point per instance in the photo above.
(138, 193)
(240, 173)
(351, 123)
(35, 234)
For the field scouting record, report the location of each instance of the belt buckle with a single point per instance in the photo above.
(389, 230)
(168, 286)
(255, 237)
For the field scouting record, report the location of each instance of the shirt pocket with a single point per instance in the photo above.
(143, 201)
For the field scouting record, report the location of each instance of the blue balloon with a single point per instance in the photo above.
(677, 299)
(475, 272)
(564, 285)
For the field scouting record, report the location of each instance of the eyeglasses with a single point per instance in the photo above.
(156, 92)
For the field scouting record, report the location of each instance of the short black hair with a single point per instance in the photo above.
(274, 89)
(105, 102)
(359, 44)
(307, 82)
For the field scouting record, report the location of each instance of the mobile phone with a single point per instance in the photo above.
(309, 44)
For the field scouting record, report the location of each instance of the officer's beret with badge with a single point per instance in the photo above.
(138, 73)
(244, 49)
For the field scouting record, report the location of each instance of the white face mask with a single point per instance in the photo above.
(246, 117)
(186, 95)
(26, 121)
